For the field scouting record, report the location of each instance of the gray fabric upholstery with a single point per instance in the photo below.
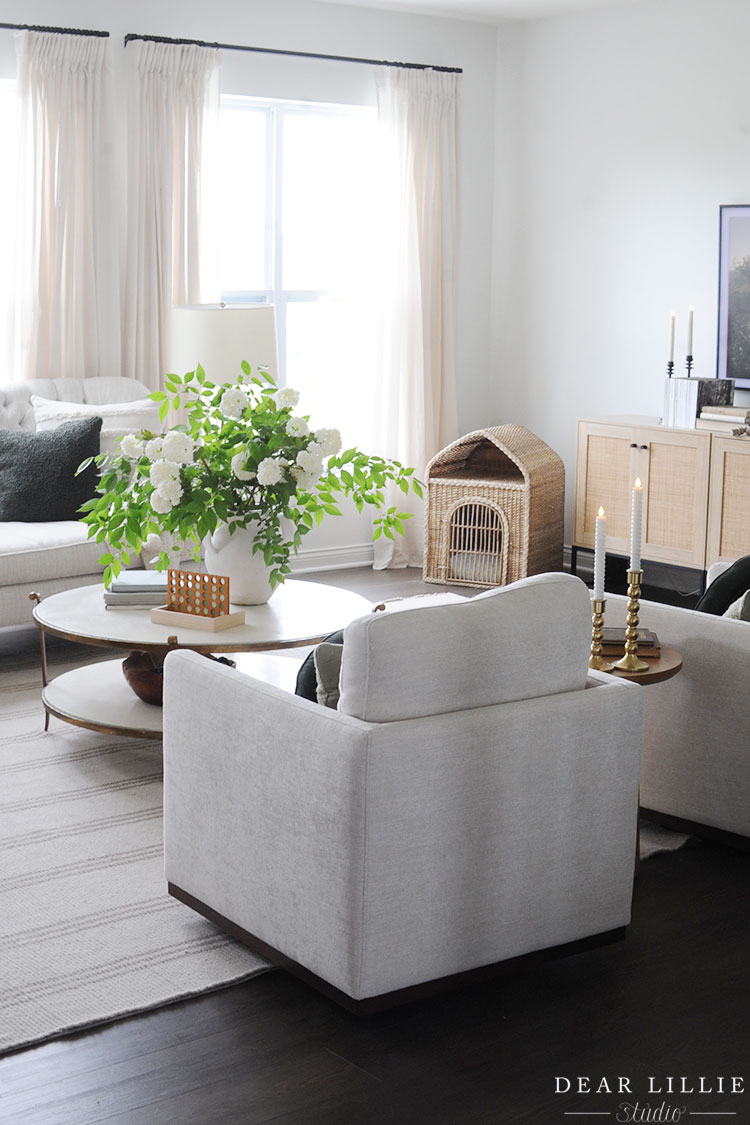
(696, 762)
(469, 654)
(384, 854)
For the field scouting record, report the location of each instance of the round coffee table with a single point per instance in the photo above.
(97, 696)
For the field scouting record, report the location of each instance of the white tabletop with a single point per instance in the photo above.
(298, 613)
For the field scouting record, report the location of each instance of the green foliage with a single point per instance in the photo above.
(243, 457)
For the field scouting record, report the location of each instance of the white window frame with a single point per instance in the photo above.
(277, 109)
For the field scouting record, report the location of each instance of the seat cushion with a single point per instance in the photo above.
(528, 639)
(726, 588)
(35, 552)
(38, 478)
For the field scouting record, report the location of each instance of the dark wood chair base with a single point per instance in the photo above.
(372, 1004)
(702, 831)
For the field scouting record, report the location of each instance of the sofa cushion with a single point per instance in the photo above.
(327, 670)
(38, 552)
(16, 412)
(726, 588)
(38, 479)
(118, 418)
(528, 639)
(307, 678)
(739, 610)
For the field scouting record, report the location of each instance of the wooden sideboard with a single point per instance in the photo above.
(696, 489)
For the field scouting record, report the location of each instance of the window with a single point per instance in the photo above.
(299, 209)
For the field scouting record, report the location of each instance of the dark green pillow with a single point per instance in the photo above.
(307, 680)
(726, 588)
(38, 482)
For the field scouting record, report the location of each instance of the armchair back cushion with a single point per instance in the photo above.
(528, 639)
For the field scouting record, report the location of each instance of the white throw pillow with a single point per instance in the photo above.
(739, 610)
(118, 418)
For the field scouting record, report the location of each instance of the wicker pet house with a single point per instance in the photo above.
(495, 505)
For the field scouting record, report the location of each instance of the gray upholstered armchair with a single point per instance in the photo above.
(473, 799)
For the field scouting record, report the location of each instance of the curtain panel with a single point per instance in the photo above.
(172, 253)
(417, 400)
(66, 316)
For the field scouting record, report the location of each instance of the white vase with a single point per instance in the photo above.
(231, 553)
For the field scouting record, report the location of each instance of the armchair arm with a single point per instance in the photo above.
(256, 778)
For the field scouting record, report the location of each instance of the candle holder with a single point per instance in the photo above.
(596, 660)
(689, 365)
(670, 368)
(630, 661)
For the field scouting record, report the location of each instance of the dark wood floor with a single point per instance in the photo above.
(673, 999)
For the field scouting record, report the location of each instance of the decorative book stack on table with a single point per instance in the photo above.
(137, 587)
(613, 643)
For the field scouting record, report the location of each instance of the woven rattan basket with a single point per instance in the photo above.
(495, 505)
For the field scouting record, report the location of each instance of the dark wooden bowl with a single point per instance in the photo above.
(146, 681)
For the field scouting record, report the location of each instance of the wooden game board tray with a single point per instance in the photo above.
(160, 615)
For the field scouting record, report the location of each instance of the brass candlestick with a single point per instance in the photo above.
(630, 661)
(596, 660)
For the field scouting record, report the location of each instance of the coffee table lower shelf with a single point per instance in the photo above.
(98, 697)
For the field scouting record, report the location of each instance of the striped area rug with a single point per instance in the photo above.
(87, 930)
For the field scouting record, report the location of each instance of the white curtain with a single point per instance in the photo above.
(66, 302)
(417, 399)
(172, 256)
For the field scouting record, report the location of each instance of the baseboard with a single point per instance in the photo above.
(332, 558)
(373, 1004)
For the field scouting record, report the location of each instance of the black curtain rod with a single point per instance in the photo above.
(54, 30)
(295, 54)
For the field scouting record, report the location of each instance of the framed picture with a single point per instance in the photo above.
(733, 351)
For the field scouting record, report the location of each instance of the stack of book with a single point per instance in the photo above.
(613, 643)
(723, 418)
(137, 588)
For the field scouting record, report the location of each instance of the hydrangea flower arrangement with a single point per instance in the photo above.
(242, 456)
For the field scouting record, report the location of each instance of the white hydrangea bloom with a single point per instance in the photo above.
(160, 503)
(238, 466)
(233, 402)
(178, 447)
(310, 464)
(154, 448)
(286, 396)
(162, 472)
(270, 472)
(170, 490)
(306, 481)
(297, 426)
(132, 447)
(330, 442)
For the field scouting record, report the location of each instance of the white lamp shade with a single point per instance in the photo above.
(220, 337)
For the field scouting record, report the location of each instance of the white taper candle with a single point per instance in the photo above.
(636, 521)
(600, 540)
(671, 338)
(690, 331)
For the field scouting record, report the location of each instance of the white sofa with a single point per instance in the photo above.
(695, 768)
(472, 799)
(49, 557)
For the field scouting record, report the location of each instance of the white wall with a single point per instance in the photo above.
(308, 26)
(633, 127)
